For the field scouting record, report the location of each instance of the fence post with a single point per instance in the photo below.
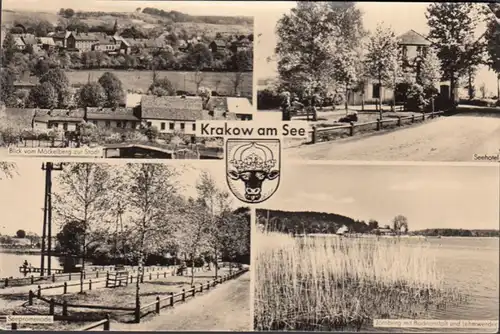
(142, 278)
(65, 308)
(137, 313)
(69, 276)
(107, 278)
(39, 292)
(208, 285)
(183, 295)
(413, 118)
(107, 323)
(65, 288)
(399, 120)
(423, 116)
(90, 285)
(171, 299)
(314, 138)
(158, 304)
(351, 129)
(6, 282)
(51, 306)
(53, 278)
(97, 274)
(32, 280)
(30, 297)
(194, 290)
(379, 124)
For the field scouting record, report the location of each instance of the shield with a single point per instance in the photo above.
(253, 168)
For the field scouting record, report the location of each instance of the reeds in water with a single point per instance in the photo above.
(335, 283)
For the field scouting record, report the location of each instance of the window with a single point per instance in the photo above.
(55, 125)
(163, 126)
(419, 50)
(108, 124)
(124, 124)
(194, 126)
(65, 126)
(183, 126)
(376, 91)
(404, 51)
(171, 126)
(118, 124)
(150, 124)
(134, 125)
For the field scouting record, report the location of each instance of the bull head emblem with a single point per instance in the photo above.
(252, 164)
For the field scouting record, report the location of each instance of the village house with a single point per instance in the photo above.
(19, 43)
(46, 43)
(60, 38)
(81, 42)
(217, 46)
(62, 119)
(121, 117)
(240, 45)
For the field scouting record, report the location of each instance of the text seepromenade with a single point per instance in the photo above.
(54, 151)
(432, 323)
(242, 129)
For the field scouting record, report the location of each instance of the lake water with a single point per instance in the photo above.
(9, 263)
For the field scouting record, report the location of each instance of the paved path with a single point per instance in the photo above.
(227, 308)
(454, 138)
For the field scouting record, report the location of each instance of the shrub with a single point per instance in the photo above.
(268, 99)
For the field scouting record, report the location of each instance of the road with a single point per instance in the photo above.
(454, 138)
(227, 308)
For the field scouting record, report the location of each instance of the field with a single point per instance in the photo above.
(128, 19)
(342, 284)
(221, 82)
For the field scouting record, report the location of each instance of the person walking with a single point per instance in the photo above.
(285, 106)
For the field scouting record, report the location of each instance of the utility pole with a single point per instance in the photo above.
(47, 216)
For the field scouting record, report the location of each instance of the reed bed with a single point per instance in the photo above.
(335, 283)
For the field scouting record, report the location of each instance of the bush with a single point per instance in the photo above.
(349, 118)
(268, 99)
(198, 262)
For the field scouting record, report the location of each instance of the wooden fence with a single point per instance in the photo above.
(94, 272)
(105, 323)
(319, 134)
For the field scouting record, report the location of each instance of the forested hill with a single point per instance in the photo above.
(309, 222)
(450, 232)
(175, 16)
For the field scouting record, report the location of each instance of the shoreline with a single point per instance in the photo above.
(22, 251)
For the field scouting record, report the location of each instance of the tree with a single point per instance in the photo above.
(7, 90)
(71, 238)
(21, 234)
(7, 169)
(492, 46)
(162, 87)
(91, 95)
(9, 48)
(83, 196)
(482, 89)
(373, 224)
(43, 96)
(306, 48)
(151, 191)
(115, 95)
(69, 13)
(58, 79)
(400, 224)
(381, 57)
(452, 27)
(199, 57)
(430, 70)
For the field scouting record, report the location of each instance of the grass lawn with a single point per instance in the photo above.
(118, 297)
(135, 80)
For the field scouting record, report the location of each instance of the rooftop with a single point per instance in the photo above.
(59, 115)
(172, 108)
(412, 37)
(119, 114)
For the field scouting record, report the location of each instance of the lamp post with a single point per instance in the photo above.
(48, 167)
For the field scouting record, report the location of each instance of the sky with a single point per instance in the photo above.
(398, 15)
(430, 196)
(21, 197)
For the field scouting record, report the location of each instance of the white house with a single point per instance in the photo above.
(342, 230)
(63, 119)
(123, 118)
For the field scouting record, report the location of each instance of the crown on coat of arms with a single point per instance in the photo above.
(253, 157)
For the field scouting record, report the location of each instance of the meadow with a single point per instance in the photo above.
(139, 81)
(343, 284)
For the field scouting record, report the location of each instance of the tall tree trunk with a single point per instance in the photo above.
(192, 269)
(452, 90)
(346, 97)
(498, 87)
(380, 96)
(215, 263)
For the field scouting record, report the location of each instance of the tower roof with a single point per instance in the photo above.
(412, 37)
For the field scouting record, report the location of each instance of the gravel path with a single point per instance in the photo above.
(227, 308)
(455, 138)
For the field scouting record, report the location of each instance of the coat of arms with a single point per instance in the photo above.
(253, 168)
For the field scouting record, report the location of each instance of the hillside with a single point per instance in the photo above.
(309, 222)
(191, 24)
